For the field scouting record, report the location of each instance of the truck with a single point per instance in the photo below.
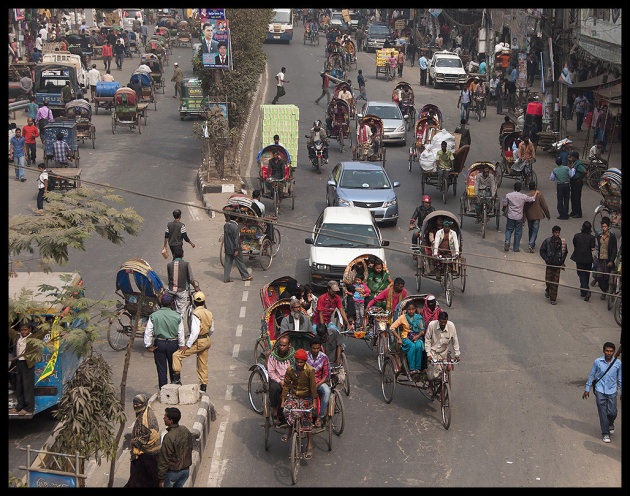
(446, 68)
(58, 363)
(282, 120)
(49, 80)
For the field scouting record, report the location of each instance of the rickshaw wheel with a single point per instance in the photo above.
(462, 209)
(444, 188)
(484, 221)
(259, 351)
(93, 135)
(499, 168)
(338, 418)
(388, 381)
(257, 390)
(139, 127)
(447, 284)
(276, 241)
(119, 330)
(266, 254)
(462, 275)
(382, 349)
(296, 455)
(346, 380)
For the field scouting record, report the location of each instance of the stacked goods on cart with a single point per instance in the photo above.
(429, 154)
(383, 55)
(282, 120)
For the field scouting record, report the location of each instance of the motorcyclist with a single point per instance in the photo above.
(317, 133)
(419, 214)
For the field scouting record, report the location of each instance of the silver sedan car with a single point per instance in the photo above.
(393, 120)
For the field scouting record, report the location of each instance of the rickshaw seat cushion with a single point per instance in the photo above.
(264, 171)
(508, 154)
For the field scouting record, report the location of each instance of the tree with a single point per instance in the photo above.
(89, 407)
(69, 220)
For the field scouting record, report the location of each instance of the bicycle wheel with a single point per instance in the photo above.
(257, 390)
(346, 378)
(612, 289)
(259, 351)
(296, 453)
(276, 201)
(338, 418)
(484, 221)
(276, 241)
(382, 348)
(617, 310)
(462, 276)
(266, 254)
(119, 330)
(445, 404)
(447, 284)
(444, 187)
(267, 422)
(418, 273)
(388, 381)
(593, 178)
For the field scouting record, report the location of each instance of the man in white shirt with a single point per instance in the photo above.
(39, 42)
(44, 33)
(93, 77)
(446, 242)
(280, 80)
(440, 334)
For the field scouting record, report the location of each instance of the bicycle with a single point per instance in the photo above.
(443, 390)
(277, 185)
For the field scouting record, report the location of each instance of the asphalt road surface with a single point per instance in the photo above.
(518, 417)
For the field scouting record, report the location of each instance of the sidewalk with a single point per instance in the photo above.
(196, 416)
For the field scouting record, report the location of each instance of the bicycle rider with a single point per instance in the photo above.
(485, 187)
(439, 337)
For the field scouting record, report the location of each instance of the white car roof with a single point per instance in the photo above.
(347, 215)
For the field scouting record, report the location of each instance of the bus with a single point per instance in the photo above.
(281, 26)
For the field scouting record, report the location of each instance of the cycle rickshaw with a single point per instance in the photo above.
(338, 121)
(255, 242)
(68, 128)
(426, 127)
(153, 62)
(184, 38)
(442, 180)
(477, 103)
(438, 268)
(489, 207)
(509, 157)
(81, 111)
(396, 369)
(345, 86)
(406, 106)
(276, 189)
(270, 293)
(610, 204)
(258, 393)
(369, 148)
(311, 36)
(148, 87)
(350, 54)
(126, 112)
(378, 319)
(136, 284)
(158, 48)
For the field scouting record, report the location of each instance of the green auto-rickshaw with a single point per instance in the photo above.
(192, 101)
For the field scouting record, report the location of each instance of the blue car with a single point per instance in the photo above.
(366, 185)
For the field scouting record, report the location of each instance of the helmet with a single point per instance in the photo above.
(426, 198)
(317, 123)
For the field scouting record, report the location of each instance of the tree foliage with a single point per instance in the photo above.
(69, 220)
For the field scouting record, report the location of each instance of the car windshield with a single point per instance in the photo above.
(347, 236)
(282, 17)
(448, 62)
(384, 111)
(337, 16)
(379, 31)
(364, 179)
(133, 12)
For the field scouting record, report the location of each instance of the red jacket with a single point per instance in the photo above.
(107, 51)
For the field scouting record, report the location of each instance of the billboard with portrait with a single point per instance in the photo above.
(215, 40)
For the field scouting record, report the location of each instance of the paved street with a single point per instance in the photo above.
(518, 415)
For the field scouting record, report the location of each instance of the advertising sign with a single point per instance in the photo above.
(215, 41)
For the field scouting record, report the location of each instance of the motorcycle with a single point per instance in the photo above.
(316, 154)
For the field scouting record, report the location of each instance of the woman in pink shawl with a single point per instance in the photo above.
(430, 310)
